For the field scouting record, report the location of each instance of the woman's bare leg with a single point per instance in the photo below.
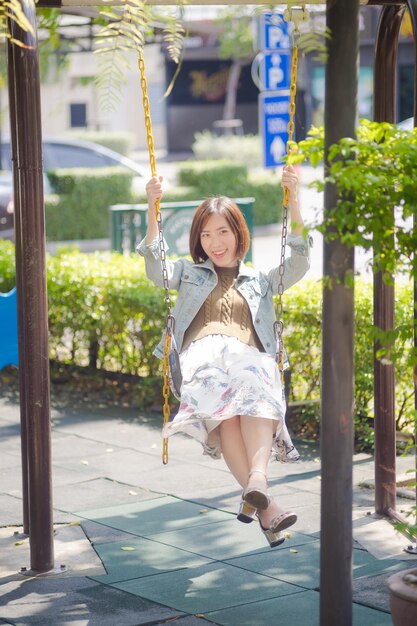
(246, 445)
(234, 450)
(257, 435)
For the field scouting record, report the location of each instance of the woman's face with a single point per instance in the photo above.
(219, 242)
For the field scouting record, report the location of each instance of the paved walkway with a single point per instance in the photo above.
(147, 544)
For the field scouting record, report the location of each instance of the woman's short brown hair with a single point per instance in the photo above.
(219, 205)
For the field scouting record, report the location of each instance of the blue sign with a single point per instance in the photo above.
(274, 32)
(273, 123)
(276, 70)
(8, 329)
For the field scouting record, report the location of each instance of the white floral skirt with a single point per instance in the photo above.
(223, 377)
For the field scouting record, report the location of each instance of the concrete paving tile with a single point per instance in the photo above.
(222, 540)
(366, 565)
(224, 498)
(62, 476)
(308, 519)
(11, 479)
(302, 567)
(138, 557)
(123, 465)
(294, 561)
(170, 478)
(208, 587)
(379, 537)
(367, 616)
(297, 499)
(67, 447)
(154, 516)
(373, 590)
(73, 490)
(8, 462)
(82, 467)
(62, 517)
(14, 448)
(99, 533)
(189, 620)
(9, 431)
(117, 426)
(305, 485)
(295, 472)
(10, 511)
(301, 609)
(71, 548)
(92, 493)
(76, 601)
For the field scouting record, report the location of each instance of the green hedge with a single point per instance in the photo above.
(210, 178)
(79, 210)
(245, 149)
(103, 312)
(7, 266)
(119, 141)
(302, 315)
(174, 194)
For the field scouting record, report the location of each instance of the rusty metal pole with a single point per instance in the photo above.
(19, 290)
(412, 7)
(338, 335)
(384, 295)
(32, 282)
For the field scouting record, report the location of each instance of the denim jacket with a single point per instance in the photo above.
(195, 281)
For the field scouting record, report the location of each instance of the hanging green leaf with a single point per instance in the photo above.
(123, 30)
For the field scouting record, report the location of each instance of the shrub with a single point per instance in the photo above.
(230, 179)
(175, 194)
(245, 149)
(7, 266)
(80, 210)
(103, 312)
(267, 191)
(302, 314)
(213, 177)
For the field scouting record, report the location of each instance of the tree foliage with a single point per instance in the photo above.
(123, 31)
(376, 178)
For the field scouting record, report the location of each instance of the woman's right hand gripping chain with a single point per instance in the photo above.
(154, 192)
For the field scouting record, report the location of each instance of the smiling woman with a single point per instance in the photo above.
(219, 232)
(231, 395)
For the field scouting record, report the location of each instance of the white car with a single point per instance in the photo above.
(62, 153)
(59, 153)
(407, 124)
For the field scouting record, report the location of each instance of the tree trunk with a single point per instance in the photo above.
(229, 110)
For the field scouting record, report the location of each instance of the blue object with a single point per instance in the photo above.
(276, 70)
(274, 32)
(273, 122)
(8, 329)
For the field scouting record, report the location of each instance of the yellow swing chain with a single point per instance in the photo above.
(167, 299)
(279, 324)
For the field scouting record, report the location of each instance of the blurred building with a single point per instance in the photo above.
(70, 101)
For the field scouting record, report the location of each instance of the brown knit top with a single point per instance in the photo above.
(225, 312)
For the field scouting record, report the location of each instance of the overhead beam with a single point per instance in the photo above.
(96, 3)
